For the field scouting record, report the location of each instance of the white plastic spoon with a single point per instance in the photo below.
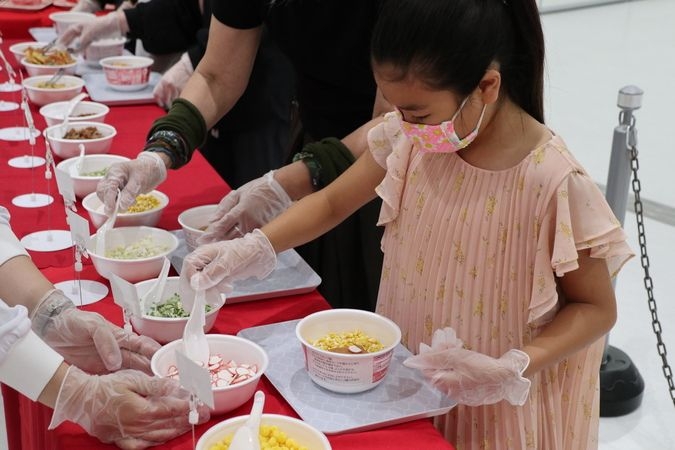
(107, 225)
(156, 291)
(247, 436)
(194, 340)
(70, 107)
(79, 164)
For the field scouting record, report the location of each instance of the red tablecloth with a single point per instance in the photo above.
(197, 183)
(14, 23)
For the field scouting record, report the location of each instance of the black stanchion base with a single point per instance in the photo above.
(621, 385)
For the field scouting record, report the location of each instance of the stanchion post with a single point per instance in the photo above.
(621, 385)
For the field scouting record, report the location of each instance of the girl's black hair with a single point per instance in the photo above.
(449, 44)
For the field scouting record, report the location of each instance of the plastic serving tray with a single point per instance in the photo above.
(291, 276)
(100, 92)
(402, 396)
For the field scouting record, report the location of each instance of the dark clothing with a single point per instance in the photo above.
(253, 137)
(327, 42)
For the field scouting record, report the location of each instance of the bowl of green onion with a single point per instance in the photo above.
(164, 320)
(88, 171)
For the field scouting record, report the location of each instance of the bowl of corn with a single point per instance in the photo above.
(147, 210)
(347, 350)
(276, 432)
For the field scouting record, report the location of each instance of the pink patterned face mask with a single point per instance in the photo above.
(441, 138)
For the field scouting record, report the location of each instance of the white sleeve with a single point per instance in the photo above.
(26, 362)
(10, 246)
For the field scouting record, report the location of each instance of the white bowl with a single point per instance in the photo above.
(64, 19)
(84, 185)
(301, 432)
(167, 329)
(149, 218)
(69, 148)
(44, 95)
(48, 69)
(193, 221)
(104, 48)
(132, 270)
(19, 49)
(238, 349)
(126, 73)
(84, 112)
(347, 372)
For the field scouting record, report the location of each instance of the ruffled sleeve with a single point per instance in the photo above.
(578, 218)
(391, 149)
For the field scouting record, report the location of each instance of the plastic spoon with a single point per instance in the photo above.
(70, 107)
(247, 436)
(108, 224)
(154, 294)
(194, 340)
(79, 164)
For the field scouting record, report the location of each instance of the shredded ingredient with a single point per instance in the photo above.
(143, 248)
(339, 341)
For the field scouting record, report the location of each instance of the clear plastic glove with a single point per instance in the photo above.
(127, 408)
(251, 206)
(171, 84)
(138, 176)
(218, 264)
(88, 340)
(91, 6)
(472, 378)
(113, 24)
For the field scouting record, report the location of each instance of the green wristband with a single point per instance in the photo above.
(313, 166)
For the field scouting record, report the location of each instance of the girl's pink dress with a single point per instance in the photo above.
(479, 251)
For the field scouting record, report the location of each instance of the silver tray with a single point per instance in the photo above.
(291, 276)
(402, 396)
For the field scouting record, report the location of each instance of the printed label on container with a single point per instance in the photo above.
(327, 368)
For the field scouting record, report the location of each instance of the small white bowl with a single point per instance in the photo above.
(44, 95)
(64, 19)
(69, 148)
(149, 218)
(84, 111)
(48, 69)
(347, 372)
(194, 221)
(104, 48)
(167, 329)
(84, 185)
(126, 73)
(301, 432)
(132, 270)
(238, 349)
(19, 49)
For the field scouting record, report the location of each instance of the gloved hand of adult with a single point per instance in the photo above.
(88, 340)
(469, 377)
(128, 408)
(251, 206)
(172, 82)
(113, 24)
(218, 264)
(131, 178)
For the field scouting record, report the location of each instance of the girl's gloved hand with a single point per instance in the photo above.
(113, 24)
(88, 340)
(218, 264)
(172, 82)
(251, 206)
(472, 378)
(132, 178)
(127, 408)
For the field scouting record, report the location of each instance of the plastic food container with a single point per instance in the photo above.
(126, 73)
(64, 19)
(84, 111)
(148, 218)
(41, 96)
(193, 221)
(347, 372)
(69, 148)
(86, 183)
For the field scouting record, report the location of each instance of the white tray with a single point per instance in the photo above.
(291, 276)
(403, 395)
(100, 92)
(43, 34)
(7, 4)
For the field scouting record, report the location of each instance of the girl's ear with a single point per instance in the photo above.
(489, 85)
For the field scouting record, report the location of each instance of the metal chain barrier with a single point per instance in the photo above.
(631, 143)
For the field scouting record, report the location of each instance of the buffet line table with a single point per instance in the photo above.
(195, 184)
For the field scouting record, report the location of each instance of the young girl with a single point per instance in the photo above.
(494, 234)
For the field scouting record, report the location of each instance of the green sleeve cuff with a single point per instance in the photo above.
(332, 156)
(185, 119)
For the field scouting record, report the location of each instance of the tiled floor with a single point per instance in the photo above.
(592, 53)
